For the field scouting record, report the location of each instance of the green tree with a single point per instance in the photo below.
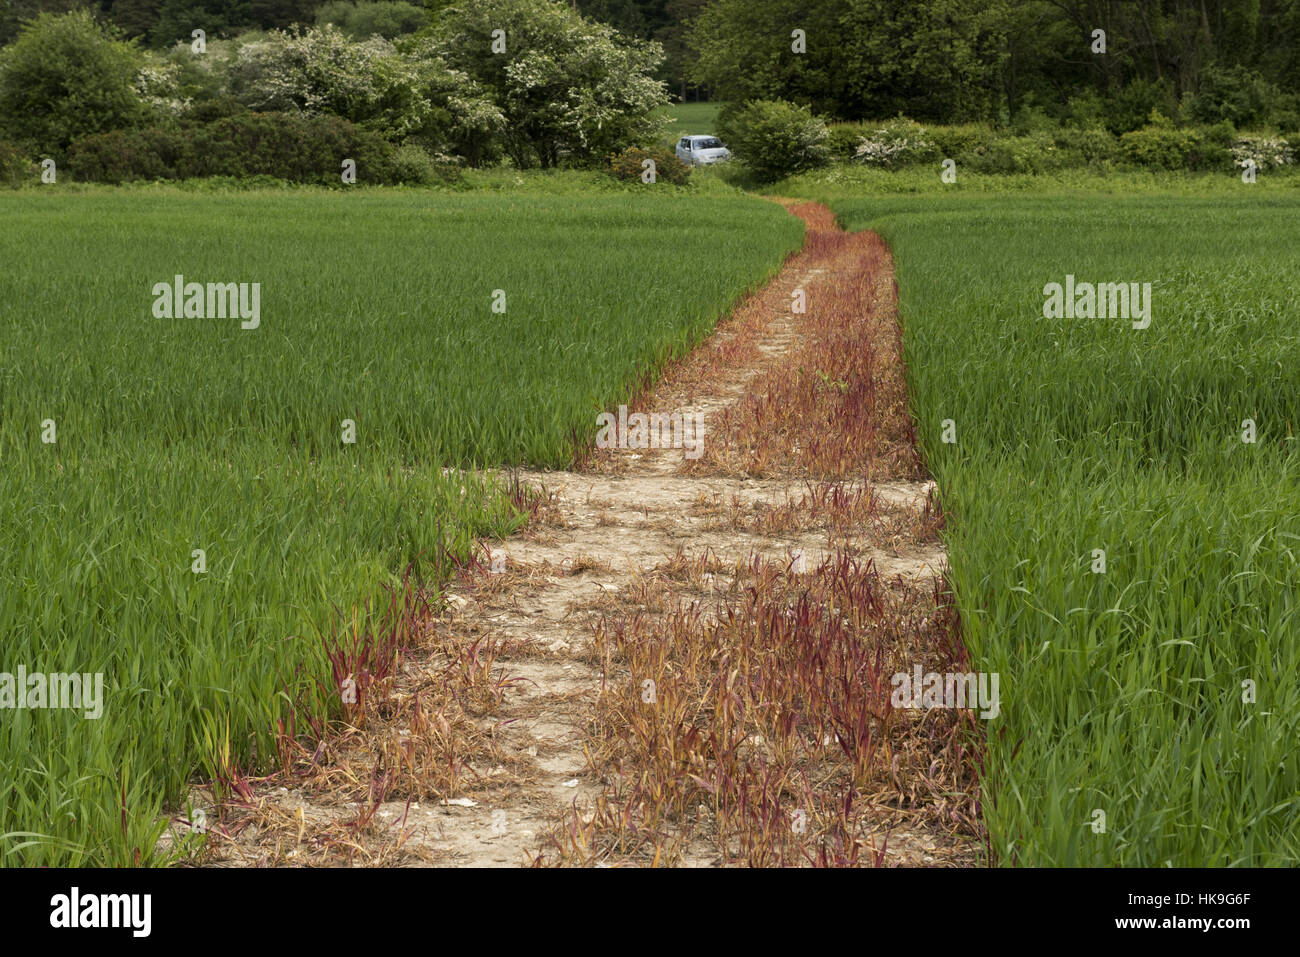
(855, 58)
(937, 61)
(178, 19)
(746, 51)
(666, 21)
(1216, 57)
(14, 13)
(566, 85)
(65, 76)
(675, 37)
(137, 18)
(406, 93)
(775, 138)
(387, 19)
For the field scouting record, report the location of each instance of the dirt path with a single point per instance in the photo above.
(501, 742)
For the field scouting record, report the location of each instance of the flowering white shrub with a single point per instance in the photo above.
(158, 86)
(1267, 152)
(568, 87)
(320, 70)
(896, 143)
(400, 94)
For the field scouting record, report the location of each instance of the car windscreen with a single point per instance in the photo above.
(708, 143)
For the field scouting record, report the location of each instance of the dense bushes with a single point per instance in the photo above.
(67, 76)
(1030, 153)
(15, 168)
(899, 142)
(774, 138)
(301, 149)
(122, 155)
(962, 143)
(562, 90)
(629, 165)
(1086, 146)
(1161, 145)
(842, 141)
(287, 146)
(413, 165)
(1241, 97)
(386, 18)
(1037, 145)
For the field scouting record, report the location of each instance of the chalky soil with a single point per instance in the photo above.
(647, 673)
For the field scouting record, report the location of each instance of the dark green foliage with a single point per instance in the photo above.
(64, 77)
(1239, 96)
(217, 108)
(414, 166)
(952, 61)
(1130, 107)
(301, 149)
(962, 142)
(1032, 153)
(867, 59)
(386, 18)
(842, 141)
(119, 156)
(667, 21)
(775, 138)
(286, 146)
(1160, 146)
(163, 22)
(1086, 147)
(178, 19)
(15, 13)
(16, 169)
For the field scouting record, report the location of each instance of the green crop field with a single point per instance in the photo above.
(1120, 556)
(1150, 704)
(688, 119)
(128, 442)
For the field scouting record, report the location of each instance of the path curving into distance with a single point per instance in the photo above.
(683, 659)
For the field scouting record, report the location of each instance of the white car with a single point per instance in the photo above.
(702, 150)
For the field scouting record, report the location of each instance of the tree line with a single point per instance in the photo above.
(954, 61)
(132, 89)
(942, 61)
(550, 86)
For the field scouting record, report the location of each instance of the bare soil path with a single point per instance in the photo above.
(513, 732)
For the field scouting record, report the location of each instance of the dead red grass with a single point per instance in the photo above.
(756, 729)
(744, 716)
(837, 406)
(760, 732)
(406, 733)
